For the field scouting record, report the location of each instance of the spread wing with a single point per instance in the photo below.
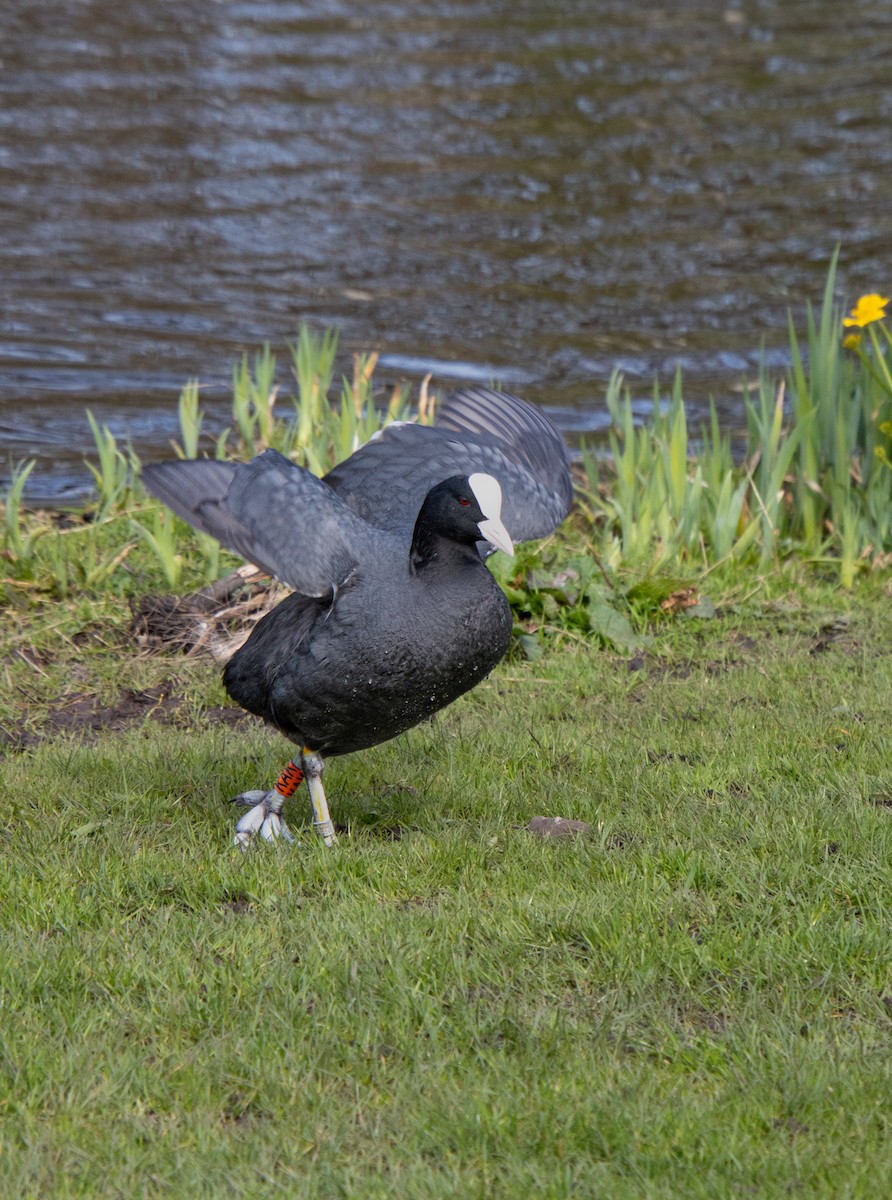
(272, 512)
(476, 429)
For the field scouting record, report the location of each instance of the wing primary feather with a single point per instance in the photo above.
(273, 513)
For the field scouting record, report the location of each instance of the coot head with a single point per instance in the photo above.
(465, 509)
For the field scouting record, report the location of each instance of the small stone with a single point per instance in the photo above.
(558, 827)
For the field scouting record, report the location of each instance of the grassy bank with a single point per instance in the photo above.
(693, 1001)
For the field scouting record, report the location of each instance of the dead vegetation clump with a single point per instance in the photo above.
(212, 621)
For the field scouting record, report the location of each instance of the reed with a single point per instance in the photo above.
(814, 480)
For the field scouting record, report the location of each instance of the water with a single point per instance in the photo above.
(536, 192)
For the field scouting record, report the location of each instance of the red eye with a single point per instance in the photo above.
(463, 500)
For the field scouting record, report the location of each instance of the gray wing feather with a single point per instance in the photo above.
(476, 429)
(272, 512)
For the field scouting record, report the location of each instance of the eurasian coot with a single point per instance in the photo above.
(394, 614)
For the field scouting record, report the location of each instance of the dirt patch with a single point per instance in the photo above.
(562, 828)
(835, 634)
(83, 714)
(681, 668)
(656, 757)
(790, 1126)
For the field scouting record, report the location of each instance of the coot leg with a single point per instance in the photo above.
(322, 822)
(265, 816)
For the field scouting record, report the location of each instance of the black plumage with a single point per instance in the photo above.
(394, 613)
(400, 638)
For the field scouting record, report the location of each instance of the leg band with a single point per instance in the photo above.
(289, 781)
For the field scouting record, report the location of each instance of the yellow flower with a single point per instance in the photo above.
(868, 309)
(852, 341)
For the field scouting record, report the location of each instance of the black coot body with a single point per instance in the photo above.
(394, 613)
(405, 636)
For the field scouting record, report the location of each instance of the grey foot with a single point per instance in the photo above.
(263, 818)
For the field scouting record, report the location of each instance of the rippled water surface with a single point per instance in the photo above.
(536, 191)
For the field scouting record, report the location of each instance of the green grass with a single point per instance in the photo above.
(694, 1002)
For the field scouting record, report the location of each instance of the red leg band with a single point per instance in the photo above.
(289, 781)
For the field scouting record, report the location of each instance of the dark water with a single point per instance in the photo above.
(536, 191)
